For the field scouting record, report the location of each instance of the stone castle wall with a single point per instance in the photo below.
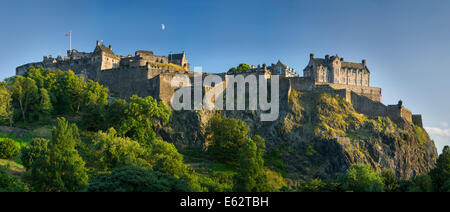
(82, 67)
(365, 100)
(417, 120)
(148, 75)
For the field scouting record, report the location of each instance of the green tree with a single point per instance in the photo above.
(225, 138)
(110, 152)
(390, 180)
(25, 96)
(32, 152)
(45, 106)
(68, 91)
(9, 183)
(37, 74)
(132, 179)
(144, 116)
(243, 67)
(166, 158)
(115, 113)
(6, 110)
(8, 148)
(440, 175)
(232, 70)
(60, 169)
(421, 183)
(93, 110)
(251, 176)
(361, 178)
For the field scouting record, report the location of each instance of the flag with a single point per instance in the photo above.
(68, 34)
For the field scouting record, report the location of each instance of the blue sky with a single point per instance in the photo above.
(406, 42)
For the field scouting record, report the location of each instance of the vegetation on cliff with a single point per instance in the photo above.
(320, 135)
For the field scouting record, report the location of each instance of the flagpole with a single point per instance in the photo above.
(70, 40)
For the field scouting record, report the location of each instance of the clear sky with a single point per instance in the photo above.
(406, 42)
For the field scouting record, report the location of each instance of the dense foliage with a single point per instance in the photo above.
(441, 174)
(9, 183)
(30, 153)
(110, 151)
(243, 67)
(362, 178)
(60, 168)
(143, 116)
(6, 110)
(8, 148)
(226, 137)
(251, 176)
(132, 179)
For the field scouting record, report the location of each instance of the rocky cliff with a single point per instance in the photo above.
(321, 135)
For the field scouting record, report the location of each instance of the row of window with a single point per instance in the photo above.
(324, 76)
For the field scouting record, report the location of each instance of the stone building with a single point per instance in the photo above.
(335, 70)
(103, 58)
(147, 74)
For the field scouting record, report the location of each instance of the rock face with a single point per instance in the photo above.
(321, 135)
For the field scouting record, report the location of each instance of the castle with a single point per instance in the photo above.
(146, 74)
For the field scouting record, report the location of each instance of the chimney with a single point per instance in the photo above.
(327, 57)
(311, 56)
(110, 47)
(364, 62)
(98, 43)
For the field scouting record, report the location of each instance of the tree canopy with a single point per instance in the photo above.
(133, 179)
(60, 168)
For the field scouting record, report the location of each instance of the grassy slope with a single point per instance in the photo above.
(15, 165)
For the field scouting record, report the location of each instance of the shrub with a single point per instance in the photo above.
(9, 183)
(8, 148)
(166, 158)
(391, 182)
(361, 178)
(33, 151)
(133, 179)
(315, 185)
(110, 151)
(421, 183)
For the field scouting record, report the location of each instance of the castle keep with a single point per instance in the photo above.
(351, 81)
(147, 74)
